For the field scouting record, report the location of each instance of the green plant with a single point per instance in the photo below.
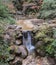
(48, 9)
(3, 48)
(5, 20)
(4, 14)
(48, 42)
(51, 49)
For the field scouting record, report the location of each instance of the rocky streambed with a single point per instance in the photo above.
(41, 35)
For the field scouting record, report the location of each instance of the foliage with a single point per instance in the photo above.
(4, 53)
(45, 34)
(5, 20)
(51, 49)
(33, 9)
(48, 9)
(4, 14)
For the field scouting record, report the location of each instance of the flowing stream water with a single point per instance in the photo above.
(27, 41)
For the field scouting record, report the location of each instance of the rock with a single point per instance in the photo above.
(37, 21)
(17, 61)
(12, 49)
(40, 52)
(39, 44)
(52, 21)
(7, 38)
(26, 24)
(17, 51)
(45, 61)
(22, 51)
(18, 28)
(25, 32)
(19, 36)
(11, 32)
(30, 60)
(51, 60)
(18, 42)
(12, 26)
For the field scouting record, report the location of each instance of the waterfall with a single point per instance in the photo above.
(27, 41)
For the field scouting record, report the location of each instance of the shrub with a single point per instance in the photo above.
(5, 20)
(45, 34)
(48, 9)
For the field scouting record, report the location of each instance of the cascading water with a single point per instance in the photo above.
(27, 41)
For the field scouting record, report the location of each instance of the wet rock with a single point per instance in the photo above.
(18, 42)
(17, 61)
(22, 51)
(25, 32)
(39, 44)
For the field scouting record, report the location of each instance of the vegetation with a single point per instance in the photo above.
(29, 9)
(5, 20)
(45, 34)
(48, 9)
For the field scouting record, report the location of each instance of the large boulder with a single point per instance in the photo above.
(20, 51)
(29, 24)
(26, 24)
